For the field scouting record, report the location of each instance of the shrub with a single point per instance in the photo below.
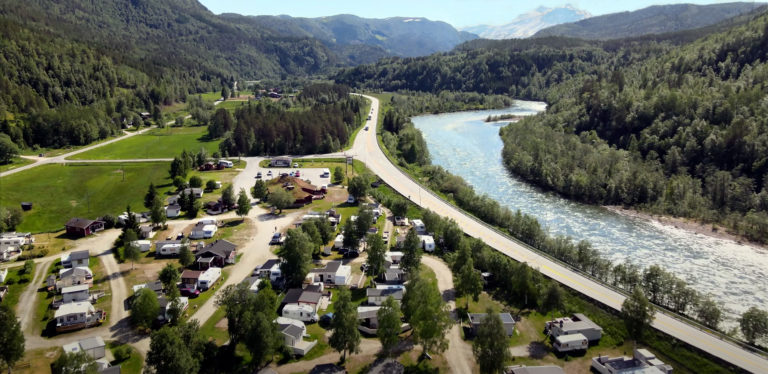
(122, 353)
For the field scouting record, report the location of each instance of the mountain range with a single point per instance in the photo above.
(529, 23)
(358, 40)
(652, 20)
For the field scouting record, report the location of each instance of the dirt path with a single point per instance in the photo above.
(117, 284)
(459, 354)
(28, 299)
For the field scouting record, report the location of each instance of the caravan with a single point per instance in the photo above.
(208, 278)
(301, 312)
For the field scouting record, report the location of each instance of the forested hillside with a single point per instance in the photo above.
(364, 40)
(75, 71)
(656, 19)
(683, 133)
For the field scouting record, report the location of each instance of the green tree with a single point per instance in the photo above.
(411, 253)
(259, 190)
(9, 219)
(75, 363)
(399, 207)
(363, 222)
(149, 198)
(338, 175)
(425, 310)
(186, 257)
(709, 313)
(224, 92)
(468, 281)
(376, 255)
(131, 252)
(193, 207)
(8, 149)
(345, 337)
(389, 324)
(157, 212)
(263, 338)
(297, 257)
(491, 346)
(169, 276)
(754, 325)
(11, 337)
(228, 196)
(358, 186)
(237, 301)
(210, 185)
(171, 352)
(280, 199)
(553, 297)
(145, 308)
(243, 204)
(637, 313)
(195, 182)
(179, 182)
(29, 266)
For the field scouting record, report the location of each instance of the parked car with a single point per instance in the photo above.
(351, 199)
(189, 292)
(269, 173)
(326, 319)
(258, 175)
(366, 127)
(298, 173)
(180, 236)
(277, 239)
(352, 254)
(385, 236)
(364, 267)
(292, 174)
(295, 164)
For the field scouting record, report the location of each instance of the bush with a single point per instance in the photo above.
(109, 221)
(195, 182)
(210, 185)
(11, 281)
(122, 353)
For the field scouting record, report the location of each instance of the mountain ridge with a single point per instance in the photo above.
(527, 24)
(656, 19)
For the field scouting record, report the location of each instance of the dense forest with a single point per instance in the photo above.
(322, 123)
(75, 71)
(683, 133)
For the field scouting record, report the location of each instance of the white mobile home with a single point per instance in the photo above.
(300, 312)
(225, 163)
(419, 226)
(427, 243)
(339, 241)
(203, 230)
(142, 245)
(168, 248)
(208, 278)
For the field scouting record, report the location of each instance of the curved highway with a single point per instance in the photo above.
(366, 149)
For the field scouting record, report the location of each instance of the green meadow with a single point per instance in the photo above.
(156, 143)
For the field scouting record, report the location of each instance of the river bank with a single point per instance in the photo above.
(687, 224)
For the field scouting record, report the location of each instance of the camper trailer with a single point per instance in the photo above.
(427, 243)
(208, 278)
(567, 343)
(301, 312)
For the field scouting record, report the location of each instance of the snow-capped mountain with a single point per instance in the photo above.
(529, 23)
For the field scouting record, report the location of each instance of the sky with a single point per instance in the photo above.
(459, 13)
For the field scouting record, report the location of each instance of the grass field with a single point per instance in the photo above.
(59, 192)
(16, 281)
(15, 162)
(157, 143)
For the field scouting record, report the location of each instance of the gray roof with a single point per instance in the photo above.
(298, 295)
(330, 267)
(310, 297)
(386, 366)
(291, 330)
(79, 255)
(479, 317)
(219, 248)
(538, 370)
(111, 370)
(92, 342)
(76, 288)
(396, 293)
(75, 272)
(269, 264)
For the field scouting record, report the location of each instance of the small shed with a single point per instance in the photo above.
(475, 319)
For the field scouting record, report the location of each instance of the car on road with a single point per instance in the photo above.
(298, 173)
(189, 292)
(269, 173)
(295, 164)
(366, 127)
(385, 237)
(258, 175)
(277, 239)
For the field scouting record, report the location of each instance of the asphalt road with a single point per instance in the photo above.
(366, 149)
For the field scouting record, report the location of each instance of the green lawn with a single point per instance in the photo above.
(15, 162)
(157, 143)
(130, 366)
(209, 330)
(16, 282)
(60, 192)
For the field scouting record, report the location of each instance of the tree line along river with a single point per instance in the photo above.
(465, 145)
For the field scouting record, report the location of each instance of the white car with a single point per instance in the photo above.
(295, 164)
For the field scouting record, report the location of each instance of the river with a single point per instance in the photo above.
(734, 274)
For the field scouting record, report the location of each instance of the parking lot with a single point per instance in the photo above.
(311, 174)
